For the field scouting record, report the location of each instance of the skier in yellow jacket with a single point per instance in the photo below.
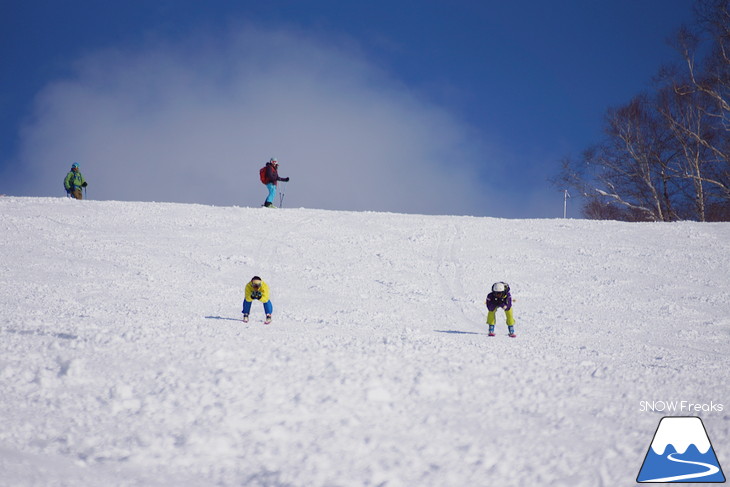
(257, 289)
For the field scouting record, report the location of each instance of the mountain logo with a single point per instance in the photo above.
(681, 452)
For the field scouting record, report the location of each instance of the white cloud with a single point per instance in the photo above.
(194, 121)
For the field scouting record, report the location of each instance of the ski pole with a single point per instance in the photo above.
(281, 194)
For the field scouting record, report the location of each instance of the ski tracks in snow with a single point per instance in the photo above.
(450, 274)
(376, 370)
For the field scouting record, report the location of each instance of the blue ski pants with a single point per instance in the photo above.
(268, 307)
(272, 192)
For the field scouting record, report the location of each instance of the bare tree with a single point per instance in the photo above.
(596, 209)
(666, 156)
(695, 105)
(628, 175)
(692, 133)
(713, 77)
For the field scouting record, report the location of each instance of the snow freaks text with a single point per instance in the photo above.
(679, 407)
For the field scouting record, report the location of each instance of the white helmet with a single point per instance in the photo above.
(498, 287)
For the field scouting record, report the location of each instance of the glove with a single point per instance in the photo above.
(256, 295)
(504, 306)
(286, 180)
(85, 184)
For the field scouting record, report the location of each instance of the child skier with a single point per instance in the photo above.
(500, 298)
(257, 289)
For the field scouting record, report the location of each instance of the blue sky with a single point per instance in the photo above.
(414, 106)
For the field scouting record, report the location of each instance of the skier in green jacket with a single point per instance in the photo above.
(74, 181)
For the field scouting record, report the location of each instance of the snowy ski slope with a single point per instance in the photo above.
(123, 361)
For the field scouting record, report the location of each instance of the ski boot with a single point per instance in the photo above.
(245, 318)
(512, 332)
(491, 330)
(267, 321)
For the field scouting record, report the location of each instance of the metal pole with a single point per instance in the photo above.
(281, 194)
(566, 195)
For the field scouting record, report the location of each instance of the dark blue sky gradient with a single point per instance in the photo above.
(531, 77)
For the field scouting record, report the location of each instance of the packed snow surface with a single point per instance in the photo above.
(123, 360)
